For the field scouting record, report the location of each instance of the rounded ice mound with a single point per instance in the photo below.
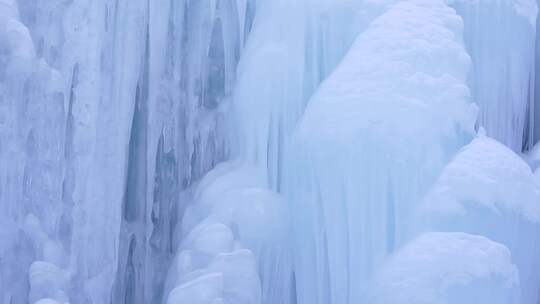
(236, 227)
(489, 190)
(211, 239)
(448, 268)
(238, 197)
(415, 76)
(486, 174)
(222, 179)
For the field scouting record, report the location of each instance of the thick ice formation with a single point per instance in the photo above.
(29, 105)
(283, 63)
(235, 240)
(150, 151)
(105, 124)
(446, 268)
(489, 190)
(373, 137)
(485, 174)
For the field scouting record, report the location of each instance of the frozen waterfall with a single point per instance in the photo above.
(269, 151)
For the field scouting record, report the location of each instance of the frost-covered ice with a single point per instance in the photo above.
(269, 151)
(444, 268)
(488, 175)
(373, 138)
(489, 190)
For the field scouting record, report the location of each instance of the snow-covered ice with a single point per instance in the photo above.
(489, 190)
(373, 138)
(444, 268)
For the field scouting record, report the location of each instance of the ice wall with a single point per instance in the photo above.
(120, 105)
(74, 171)
(258, 151)
(193, 47)
(30, 188)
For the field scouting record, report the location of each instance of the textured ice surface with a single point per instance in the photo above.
(489, 190)
(30, 105)
(98, 137)
(283, 63)
(236, 227)
(258, 151)
(445, 268)
(373, 137)
(486, 174)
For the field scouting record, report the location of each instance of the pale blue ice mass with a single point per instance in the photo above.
(269, 152)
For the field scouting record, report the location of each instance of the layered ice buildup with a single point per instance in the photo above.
(373, 138)
(235, 242)
(489, 190)
(292, 47)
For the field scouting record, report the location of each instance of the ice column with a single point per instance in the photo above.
(373, 138)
